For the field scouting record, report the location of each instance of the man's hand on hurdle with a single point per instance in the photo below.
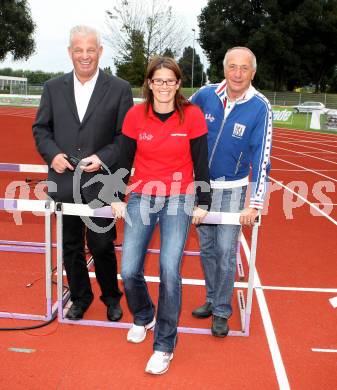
(248, 216)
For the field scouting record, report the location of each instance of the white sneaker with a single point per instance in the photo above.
(159, 362)
(137, 333)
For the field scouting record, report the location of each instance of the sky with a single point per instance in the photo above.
(54, 19)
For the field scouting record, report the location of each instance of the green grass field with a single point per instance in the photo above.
(301, 121)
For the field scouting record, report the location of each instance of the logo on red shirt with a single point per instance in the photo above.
(145, 136)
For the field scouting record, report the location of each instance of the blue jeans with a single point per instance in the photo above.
(174, 216)
(218, 245)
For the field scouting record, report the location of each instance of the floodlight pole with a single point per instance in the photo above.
(193, 59)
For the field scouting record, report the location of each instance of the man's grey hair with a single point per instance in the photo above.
(254, 64)
(84, 31)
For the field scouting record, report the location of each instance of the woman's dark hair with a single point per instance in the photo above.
(156, 63)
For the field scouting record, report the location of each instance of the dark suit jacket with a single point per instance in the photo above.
(57, 128)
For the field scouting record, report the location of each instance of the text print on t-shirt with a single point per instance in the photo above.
(145, 136)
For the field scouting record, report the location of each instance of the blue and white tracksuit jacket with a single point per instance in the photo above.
(241, 140)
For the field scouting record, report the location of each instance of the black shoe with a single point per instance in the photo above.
(219, 326)
(75, 312)
(203, 311)
(114, 312)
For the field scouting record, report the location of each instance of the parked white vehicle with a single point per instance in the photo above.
(309, 107)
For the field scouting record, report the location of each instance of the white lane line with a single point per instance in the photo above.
(324, 350)
(306, 201)
(305, 154)
(305, 146)
(280, 371)
(302, 170)
(279, 137)
(305, 134)
(333, 302)
(310, 133)
(22, 350)
(310, 140)
(325, 204)
(300, 138)
(306, 169)
(185, 281)
(201, 282)
(299, 289)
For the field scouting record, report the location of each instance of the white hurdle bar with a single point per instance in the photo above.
(29, 168)
(105, 212)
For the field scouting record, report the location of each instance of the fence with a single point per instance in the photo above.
(275, 98)
(294, 98)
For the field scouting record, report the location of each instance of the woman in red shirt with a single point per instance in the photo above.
(166, 140)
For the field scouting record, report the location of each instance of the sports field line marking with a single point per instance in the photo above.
(22, 350)
(305, 154)
(299, 289)
(324, 350)
(201, 282)
(306, 133)
(306, 146)
(185, 281)
(306, 169)
(306, 140)
(280, 371)
(305, 137)
(301, 141)
(306, 201)
(20, 116)
(283, 154)
(333, 302)
(302, 170)
(325, 152)
(325, 204)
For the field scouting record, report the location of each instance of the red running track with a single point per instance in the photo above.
(292, 315)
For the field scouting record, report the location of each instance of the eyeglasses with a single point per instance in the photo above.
(160, 82)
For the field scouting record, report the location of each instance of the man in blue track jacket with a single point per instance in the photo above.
(239, 122)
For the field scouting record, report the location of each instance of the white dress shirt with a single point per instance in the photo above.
(83, 93)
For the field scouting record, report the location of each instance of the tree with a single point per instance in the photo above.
(16, 29)
(151, 21)
(223, 24)
(185, 64)
(132, 65)
(291, 38)
(36, 77)
(107, 70)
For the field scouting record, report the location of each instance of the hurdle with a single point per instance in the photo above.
(47, 208)
(245, 305)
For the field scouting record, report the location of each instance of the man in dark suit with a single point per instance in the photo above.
(81, 116)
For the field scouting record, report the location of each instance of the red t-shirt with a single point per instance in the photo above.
(163, 162)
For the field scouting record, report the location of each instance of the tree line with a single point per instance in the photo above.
(37, 77)
(294, 40)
